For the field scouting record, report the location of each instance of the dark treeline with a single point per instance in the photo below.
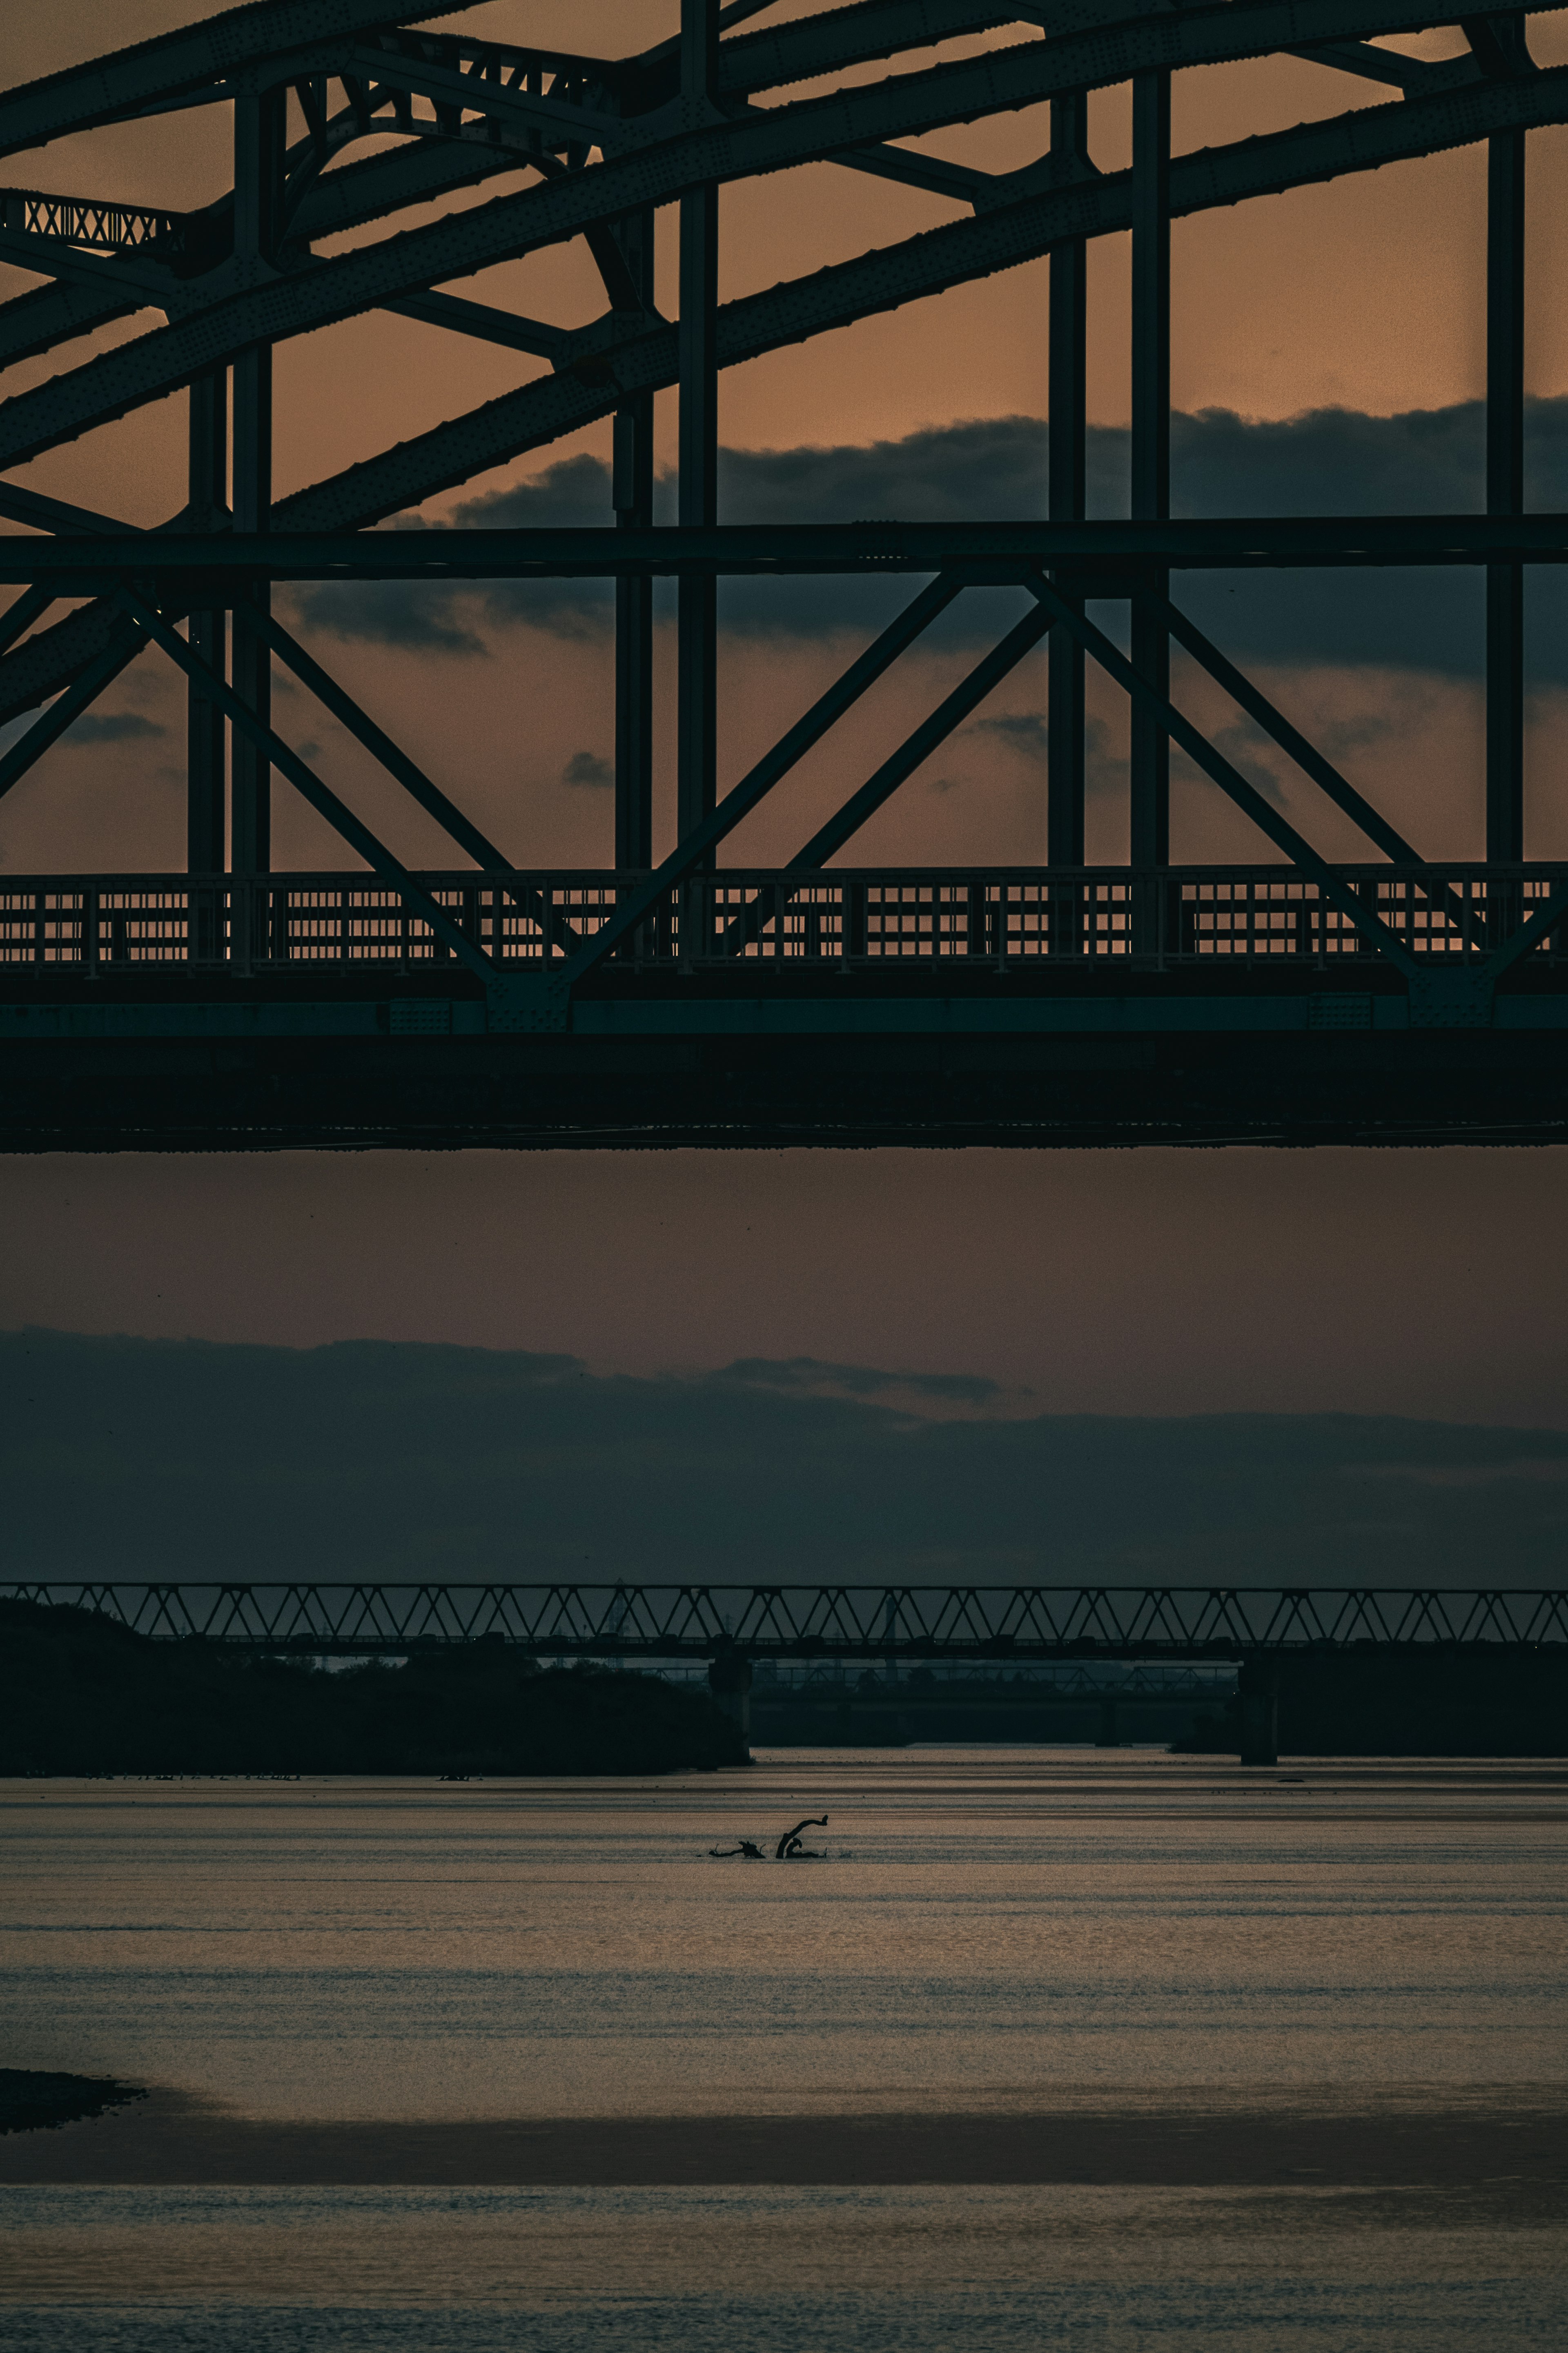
(80, 1695)
(1485, 1702)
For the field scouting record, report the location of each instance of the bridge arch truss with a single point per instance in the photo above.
(671, 998)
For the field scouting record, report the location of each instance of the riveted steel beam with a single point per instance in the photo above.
(1270, 821)
(632, 484)
(954, 254)
(272, 749)
(1505, 491)
(696, 648)
(775, 765)
(1067, 475)
(78, 97)
(1149, 769)
(208, 630)
(670, 168)
(916, 749)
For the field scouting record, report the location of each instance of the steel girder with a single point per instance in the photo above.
(998, 239)
(1109, 554)
(175, 66)
(195, 61)
(667, 168)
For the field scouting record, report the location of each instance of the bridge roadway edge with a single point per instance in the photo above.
(950, 1060)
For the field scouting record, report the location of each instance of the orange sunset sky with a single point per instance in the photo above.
(1418, 1282)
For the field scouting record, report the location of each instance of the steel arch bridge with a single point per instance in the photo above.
(821, 1621)
(661, 1000)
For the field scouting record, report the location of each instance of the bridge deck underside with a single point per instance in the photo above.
(1003, 1006)
(917, 1090)
(923, 1054)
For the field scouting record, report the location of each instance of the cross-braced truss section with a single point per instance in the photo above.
(668, 998)
(843, 1621)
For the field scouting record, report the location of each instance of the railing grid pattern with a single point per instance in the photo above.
(1184, 916)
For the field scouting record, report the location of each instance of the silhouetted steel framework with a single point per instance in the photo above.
(667, 1000)
(806, 1621)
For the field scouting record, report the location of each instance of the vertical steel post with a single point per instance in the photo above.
(697, 628)
(1151, 830)
(633, 493)
(1505, 491)
(208, 504)
(1069, 407)
(261, 124)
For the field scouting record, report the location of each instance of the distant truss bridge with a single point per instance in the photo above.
(905, 1622)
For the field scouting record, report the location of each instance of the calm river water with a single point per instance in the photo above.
(405, 2042)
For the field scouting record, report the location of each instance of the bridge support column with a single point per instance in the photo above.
(1107, 1736)
(730, 1681)
(1068, 400)
(207, 492)
(1505, 496)
(634, 598)
(1151, 772)
(698, 640)
(261, 124)
(1257, 1704)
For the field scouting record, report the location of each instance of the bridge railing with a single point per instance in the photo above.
(108, 924)
(905, 1622)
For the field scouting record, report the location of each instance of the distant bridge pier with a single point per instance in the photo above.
(1257, 1697)
(730, 1681)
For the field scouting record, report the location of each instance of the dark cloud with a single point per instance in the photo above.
(929, 476)
(1327, 461)
(405, 613)
(1104, 770)
(587, 768)
(569, 495)
(368, 1460)
(1024, 732)
(573, 493)
(1251, 752)
(1358, 733)
(112, 727)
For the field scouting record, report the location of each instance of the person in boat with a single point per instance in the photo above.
(789, 1847)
